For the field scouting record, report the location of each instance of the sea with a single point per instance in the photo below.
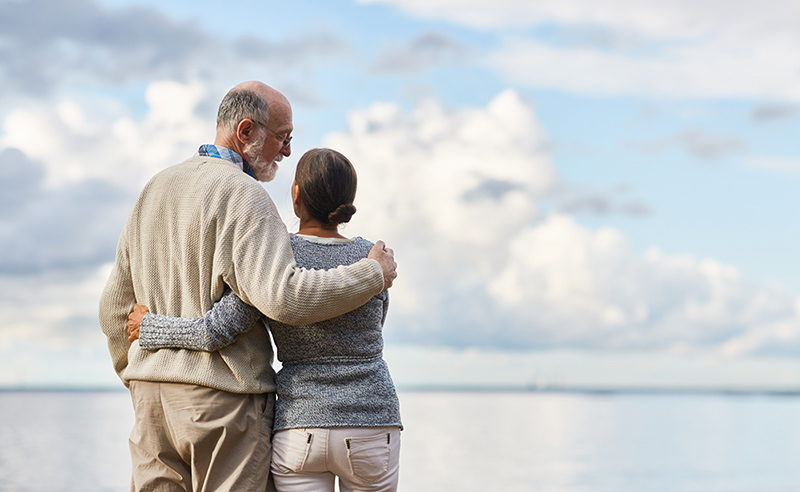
(463, 441)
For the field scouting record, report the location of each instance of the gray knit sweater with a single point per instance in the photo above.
(333, 371)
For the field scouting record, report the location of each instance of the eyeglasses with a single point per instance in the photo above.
(286, 140)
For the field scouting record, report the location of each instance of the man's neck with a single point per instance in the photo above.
(230, 143)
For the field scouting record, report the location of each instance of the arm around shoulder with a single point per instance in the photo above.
(268, 278)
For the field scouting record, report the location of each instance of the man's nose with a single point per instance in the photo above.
(287, 150)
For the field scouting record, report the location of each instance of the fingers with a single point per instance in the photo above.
(140, 310)
(385, 257)
(388, 280)
(135, 321)
(133, 328)
(391, 272)
(133, 335)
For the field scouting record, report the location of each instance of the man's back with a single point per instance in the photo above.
(182, 233)
(179, 245)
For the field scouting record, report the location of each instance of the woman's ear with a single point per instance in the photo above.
(296, 202)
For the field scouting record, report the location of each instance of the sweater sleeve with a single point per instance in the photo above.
(267, 277)
(219, 327)
(116, 301)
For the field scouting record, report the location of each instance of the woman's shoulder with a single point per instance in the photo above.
(310, 251)
(357, 242)
(363, 243)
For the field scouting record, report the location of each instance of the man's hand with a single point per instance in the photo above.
(135, 321)
(385, 257)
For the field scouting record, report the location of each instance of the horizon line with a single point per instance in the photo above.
(456, 388)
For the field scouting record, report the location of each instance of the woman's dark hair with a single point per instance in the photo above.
(327, 185)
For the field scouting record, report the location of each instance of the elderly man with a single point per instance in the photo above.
(203, 419)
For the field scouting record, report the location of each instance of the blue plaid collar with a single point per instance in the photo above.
(210, 150)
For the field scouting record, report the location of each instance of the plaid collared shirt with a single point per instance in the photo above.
(211, 150)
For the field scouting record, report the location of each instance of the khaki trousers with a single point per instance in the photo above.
(194, 438)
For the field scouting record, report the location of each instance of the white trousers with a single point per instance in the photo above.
(309, 459)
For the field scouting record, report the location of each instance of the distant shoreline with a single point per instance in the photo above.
(580, 390)
(609, 390)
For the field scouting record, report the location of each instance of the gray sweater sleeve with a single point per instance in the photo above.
(228, 318)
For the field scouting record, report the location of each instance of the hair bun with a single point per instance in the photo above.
(343, 213)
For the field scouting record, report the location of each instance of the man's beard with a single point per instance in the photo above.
(264, 170)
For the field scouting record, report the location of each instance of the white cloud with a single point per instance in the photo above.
(50, 335)
(427, 50)
(451, 183)
(701, 144)
(72, 171)
(775, 165)
(57, 309)
(681, 48)
(575, 286)
(574, 199)
(700, 69)
(681, 18)
(463, 167)
(457, 193)
(84, 43)
(76, 143)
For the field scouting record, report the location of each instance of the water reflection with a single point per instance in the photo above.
(465, 442)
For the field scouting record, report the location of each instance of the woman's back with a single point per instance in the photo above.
(333, 372)
(353, 336)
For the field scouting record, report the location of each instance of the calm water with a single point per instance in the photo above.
(467, 442)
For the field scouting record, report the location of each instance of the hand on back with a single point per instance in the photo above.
(135, 321)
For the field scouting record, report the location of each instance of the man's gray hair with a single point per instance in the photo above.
(241, 104)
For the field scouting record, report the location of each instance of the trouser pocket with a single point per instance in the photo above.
(369, 456)
(290, 449)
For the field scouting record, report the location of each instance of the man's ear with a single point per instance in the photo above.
(246, 131)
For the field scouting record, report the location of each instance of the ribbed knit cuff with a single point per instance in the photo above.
(159, 332)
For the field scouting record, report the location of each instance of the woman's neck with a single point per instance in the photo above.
(316, 228)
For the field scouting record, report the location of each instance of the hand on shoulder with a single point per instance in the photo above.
(385, 258)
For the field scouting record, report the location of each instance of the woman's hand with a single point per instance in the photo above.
(135, 321)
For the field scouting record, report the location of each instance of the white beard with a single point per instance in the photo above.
(264, 171)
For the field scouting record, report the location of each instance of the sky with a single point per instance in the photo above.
(578, 193)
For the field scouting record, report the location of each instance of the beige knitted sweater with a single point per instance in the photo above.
(197, 227)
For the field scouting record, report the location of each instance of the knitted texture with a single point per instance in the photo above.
(195, 228)
(229, 318)
(333, 372)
